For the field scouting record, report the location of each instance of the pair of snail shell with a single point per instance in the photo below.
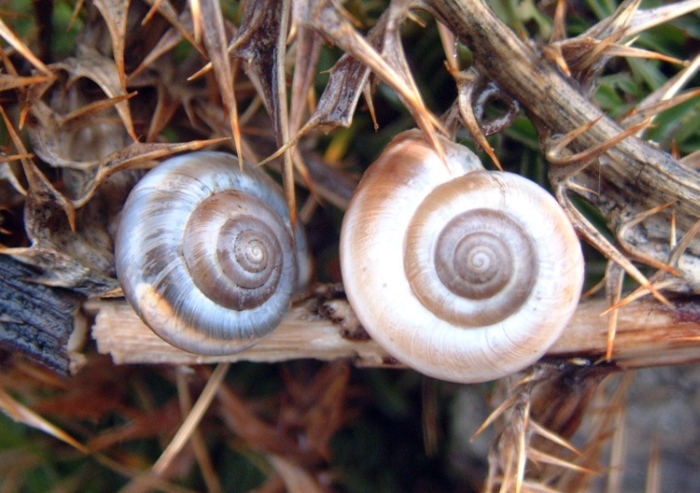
(463, 274)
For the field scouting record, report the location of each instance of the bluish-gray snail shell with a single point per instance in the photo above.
(464, 274)
(205, 253)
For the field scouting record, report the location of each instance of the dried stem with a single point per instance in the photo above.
(631, 177)
(549, 97)
(648, 334)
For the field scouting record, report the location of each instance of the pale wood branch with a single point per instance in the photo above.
(306, 332)
(649, 334)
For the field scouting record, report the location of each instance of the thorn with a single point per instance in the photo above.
(466, 84)
(603, 245)
(553, 437)
(151, 12)
(233, 117)
(505, 405)
(643, 257)
(196, 9)
(658, 281)
(614, 276)
(586, 157)
(649, 111)
(22, 414)
(538, 456)
(559, 143)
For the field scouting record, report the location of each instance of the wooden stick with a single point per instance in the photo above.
(40, 322)
(649, 334)
(324, 330)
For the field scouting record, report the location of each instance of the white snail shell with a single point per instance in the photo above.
(205, 253)
(463, 274)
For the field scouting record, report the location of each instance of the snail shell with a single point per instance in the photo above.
(205, 253)
(463, 274)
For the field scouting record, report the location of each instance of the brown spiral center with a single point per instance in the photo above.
(480, 270)
(475, 266)
(249, 258)
(234, 257)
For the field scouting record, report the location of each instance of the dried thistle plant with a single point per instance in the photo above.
(145, 80)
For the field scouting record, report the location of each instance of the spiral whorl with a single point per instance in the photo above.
(481, 258)
(205, 253)
(233, 251)
(463, 274)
